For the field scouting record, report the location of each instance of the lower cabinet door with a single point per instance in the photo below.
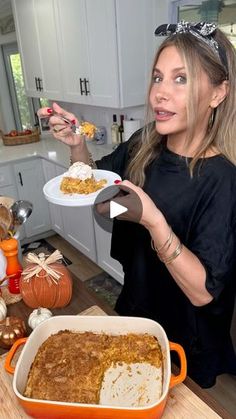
(52, 170)
(30, 181)
(79, 229)
(104, 260)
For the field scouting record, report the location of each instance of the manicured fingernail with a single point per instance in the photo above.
(49, 110)
(73, 121)
(117, 181)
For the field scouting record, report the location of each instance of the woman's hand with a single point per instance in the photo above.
(61, 129)
(141, 209)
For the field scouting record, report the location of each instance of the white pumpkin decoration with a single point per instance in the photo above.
(38, 316)
(3, 309)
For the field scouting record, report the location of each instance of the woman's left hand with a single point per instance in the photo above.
(140, 208)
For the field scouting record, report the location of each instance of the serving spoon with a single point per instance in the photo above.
(21, 210)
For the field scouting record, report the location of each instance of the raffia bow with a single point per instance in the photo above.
(42, 263)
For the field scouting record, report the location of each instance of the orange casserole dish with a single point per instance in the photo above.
(99, 324)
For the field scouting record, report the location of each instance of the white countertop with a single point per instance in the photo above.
(50, 149)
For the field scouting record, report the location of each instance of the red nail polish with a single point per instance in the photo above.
(117, 181)
(49, 110)
(73, 121)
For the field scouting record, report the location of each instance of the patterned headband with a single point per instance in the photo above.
(201, 30)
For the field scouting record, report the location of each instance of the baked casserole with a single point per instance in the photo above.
(79, 179)
(72, 366)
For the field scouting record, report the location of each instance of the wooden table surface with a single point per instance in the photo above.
(83, 299)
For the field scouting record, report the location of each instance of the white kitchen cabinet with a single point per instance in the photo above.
(87, 32)
(37, 42)
(79, 229)
(94, 52)
(52, 170)
(7, 181)
(105, 51)
(30, 181)
(104, 260)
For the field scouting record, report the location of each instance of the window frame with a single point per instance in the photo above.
(7, 50)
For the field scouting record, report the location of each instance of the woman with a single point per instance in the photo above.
(179, 260)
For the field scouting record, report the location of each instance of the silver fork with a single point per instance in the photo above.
(74, 127)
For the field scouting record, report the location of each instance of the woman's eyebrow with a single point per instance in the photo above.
(174, 70)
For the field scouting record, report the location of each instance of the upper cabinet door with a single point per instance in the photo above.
(27, 38)
(37, 41)
(103, 53)
(87, 33)
(135, 39)
(73, 45)
(48, 48)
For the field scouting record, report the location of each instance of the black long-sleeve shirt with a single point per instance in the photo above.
(202, 212)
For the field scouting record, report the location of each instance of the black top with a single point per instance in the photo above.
(202, 212)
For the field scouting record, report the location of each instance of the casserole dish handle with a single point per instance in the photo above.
(11, 354)
(176, 379)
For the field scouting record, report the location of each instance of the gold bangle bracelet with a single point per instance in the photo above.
(174, 255)
(167, 243)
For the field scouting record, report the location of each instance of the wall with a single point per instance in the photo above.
(103, 116)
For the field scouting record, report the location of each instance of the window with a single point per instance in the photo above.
(24, 109)
(219, 11)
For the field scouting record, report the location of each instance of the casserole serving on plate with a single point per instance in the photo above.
(100, 324)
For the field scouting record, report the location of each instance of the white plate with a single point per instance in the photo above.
(53, 194)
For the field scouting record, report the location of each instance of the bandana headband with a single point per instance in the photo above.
(201, 30)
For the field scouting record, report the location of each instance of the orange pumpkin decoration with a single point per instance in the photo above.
(46, 282)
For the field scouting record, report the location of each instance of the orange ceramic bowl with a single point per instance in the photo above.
(113, 325)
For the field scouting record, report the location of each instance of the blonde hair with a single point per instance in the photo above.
(221, 134)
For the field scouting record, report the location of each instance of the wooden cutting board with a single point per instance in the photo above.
(182, 402)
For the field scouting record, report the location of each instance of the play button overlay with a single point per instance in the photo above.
(116, 209)
(116, 202)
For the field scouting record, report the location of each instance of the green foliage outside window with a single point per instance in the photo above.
(22, 100)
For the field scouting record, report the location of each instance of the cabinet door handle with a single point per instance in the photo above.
(36, 83)
(82, 91)
(87, 89)
(40, 86)
(20, 177)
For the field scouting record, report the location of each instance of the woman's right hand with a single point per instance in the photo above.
(60, 129)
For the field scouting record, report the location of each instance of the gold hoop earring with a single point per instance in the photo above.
(211, 119)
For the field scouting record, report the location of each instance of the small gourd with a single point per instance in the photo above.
(3, 309)
(11, 329)
(38, 316)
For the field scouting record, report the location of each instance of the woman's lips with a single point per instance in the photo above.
(164, 115)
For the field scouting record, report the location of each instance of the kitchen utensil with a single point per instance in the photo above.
(68, 121)
(99, 324)
(3, 231)
(83, 128)
(7, 201)
(5, 216)
(21, 210)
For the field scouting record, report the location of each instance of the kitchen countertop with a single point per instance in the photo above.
(50, 149)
